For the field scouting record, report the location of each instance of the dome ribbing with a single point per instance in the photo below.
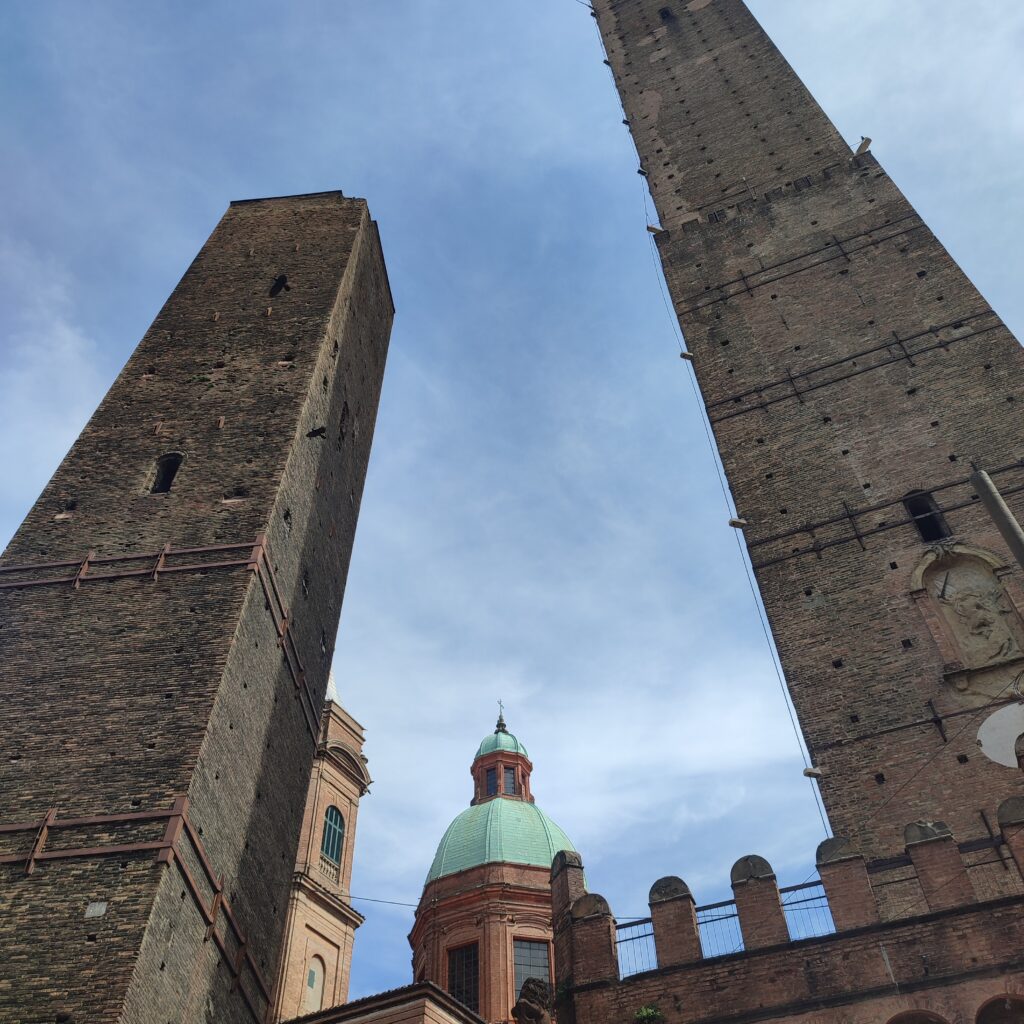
(500, 830)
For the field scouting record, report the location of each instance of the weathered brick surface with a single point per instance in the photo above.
(947, 962)
(122, 694)
(845, 360)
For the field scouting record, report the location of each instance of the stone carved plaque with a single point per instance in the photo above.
(983, 623)
(975, 622)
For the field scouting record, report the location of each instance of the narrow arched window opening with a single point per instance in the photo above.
(313, 997)
(334, 835)
(167, 467)
(927, 516)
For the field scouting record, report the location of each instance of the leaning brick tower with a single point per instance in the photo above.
(853, 376)
(169, 608)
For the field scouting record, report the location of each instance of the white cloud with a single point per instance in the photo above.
(50, 377)
(542, 522)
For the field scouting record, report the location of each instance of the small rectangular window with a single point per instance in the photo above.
(716, 216)
(492, 781)
(510, 780)
(802, 183)
(927, 516)
(531, 961)
(167, 467)
(464, 975)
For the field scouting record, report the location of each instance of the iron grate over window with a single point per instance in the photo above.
(510, 781)
(464, 975)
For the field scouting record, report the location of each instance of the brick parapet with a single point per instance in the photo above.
(758, 903)
(939, 866)
(594, 954)
(844, 877)
(946, 959)
(933, 868)
(948, 963)
(674, 922)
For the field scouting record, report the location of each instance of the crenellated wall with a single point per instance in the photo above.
(949, 955)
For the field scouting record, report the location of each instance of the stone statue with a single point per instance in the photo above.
(534, 1005)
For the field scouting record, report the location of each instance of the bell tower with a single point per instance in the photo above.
(168, 611)
(854, 377)
(320, 929)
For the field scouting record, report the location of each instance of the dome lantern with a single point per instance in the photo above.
(501, 767)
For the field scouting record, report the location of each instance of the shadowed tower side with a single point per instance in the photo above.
(168, 612)
(852, 374)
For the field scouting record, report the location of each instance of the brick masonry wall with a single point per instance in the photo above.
(948, 966)
(796, 271)
(954, 957)
(121, 694)
(491, 905)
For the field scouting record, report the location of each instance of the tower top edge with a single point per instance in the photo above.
(298, 195)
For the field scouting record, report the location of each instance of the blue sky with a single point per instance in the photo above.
(542, 520)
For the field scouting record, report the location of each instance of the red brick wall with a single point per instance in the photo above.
(948, 960)
(491, 905)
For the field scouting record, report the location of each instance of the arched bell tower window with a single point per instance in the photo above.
(167, 467)
(334, 835)
(927, 516)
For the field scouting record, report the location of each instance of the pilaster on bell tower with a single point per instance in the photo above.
(853, 376)
(168, 612)
(319, 934)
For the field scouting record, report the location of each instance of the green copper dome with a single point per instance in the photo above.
(500, 740)
(512, 831)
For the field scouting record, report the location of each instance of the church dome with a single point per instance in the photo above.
(501, 830)
(500, 740)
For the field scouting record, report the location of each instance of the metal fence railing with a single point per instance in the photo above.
(719, 928)
(634, 943)
(806, 910)
(805, 907)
